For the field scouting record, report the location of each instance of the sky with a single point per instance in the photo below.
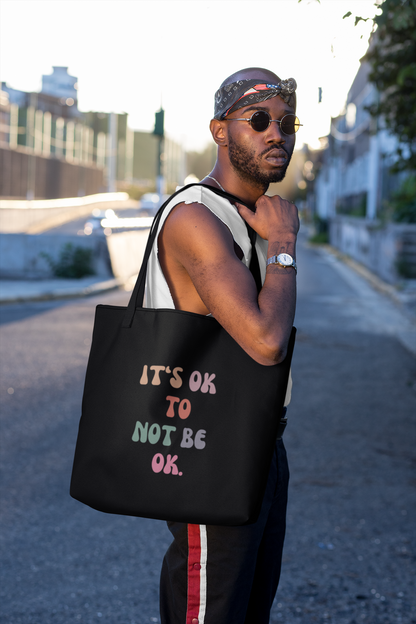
(134, 55)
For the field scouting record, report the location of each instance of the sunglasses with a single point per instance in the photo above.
(261, 120)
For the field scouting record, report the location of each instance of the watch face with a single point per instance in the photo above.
(285, 259)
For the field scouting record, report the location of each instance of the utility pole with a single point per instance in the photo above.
(159, 132)
(112, 153)
(30, 142)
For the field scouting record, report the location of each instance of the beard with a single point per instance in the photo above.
(248, 166)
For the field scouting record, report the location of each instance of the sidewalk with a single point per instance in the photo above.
(21, 291)
(349, 550)
(404, 295)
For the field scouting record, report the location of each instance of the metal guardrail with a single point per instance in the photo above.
(67, 202)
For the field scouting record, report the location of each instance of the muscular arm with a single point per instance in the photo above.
(197, 256)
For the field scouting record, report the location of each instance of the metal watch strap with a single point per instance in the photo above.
(274, 260)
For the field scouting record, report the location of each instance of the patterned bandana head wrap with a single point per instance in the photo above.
(242, 93)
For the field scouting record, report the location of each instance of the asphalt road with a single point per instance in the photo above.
(349, 553)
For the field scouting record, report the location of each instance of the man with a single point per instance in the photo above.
(229, 575)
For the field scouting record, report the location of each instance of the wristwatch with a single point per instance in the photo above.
(284, 260)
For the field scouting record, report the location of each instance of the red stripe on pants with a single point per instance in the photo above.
(194, 577)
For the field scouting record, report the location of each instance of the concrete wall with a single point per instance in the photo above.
(378, 247)
(21, 254)
(126, 251)
(118, 255)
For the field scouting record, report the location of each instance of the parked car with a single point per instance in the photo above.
(151, 202)
(93, 225)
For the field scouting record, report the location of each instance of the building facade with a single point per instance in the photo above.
(61, 85)
(77, 153)
(355, 183)
(354, 177)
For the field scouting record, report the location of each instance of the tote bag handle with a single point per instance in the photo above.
(137, 296)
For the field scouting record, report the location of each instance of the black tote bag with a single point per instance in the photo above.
(178, 422)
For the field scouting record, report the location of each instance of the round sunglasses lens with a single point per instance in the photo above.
(289, 124)
(260, 121)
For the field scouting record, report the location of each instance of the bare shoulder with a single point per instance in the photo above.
(193, 230)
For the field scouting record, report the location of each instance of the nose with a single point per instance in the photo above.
(275, 134)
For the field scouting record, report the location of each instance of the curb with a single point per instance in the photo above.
(71, 293)
(402, 299)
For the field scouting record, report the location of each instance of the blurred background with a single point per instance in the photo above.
(105, 109)
(117, 98)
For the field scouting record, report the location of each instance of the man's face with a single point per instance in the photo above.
(260, 157)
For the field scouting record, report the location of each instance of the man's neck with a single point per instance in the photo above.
(233, 184)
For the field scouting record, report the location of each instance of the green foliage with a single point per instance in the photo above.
(392, 56)
(73, 262)
(321, 238)
(405, 269)
(403, 202)
(321, 235)
(357, 18)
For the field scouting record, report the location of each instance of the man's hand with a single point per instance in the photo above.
(274, 216)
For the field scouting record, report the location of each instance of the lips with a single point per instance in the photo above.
(276, 157)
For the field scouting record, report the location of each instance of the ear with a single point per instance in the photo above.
(219, 132)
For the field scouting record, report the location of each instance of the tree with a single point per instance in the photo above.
(392, 56)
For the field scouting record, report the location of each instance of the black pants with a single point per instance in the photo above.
(227, 575)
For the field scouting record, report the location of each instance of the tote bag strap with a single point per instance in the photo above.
(137, 296)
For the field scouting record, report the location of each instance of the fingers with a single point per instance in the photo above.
(245, 212)
(272, 214)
